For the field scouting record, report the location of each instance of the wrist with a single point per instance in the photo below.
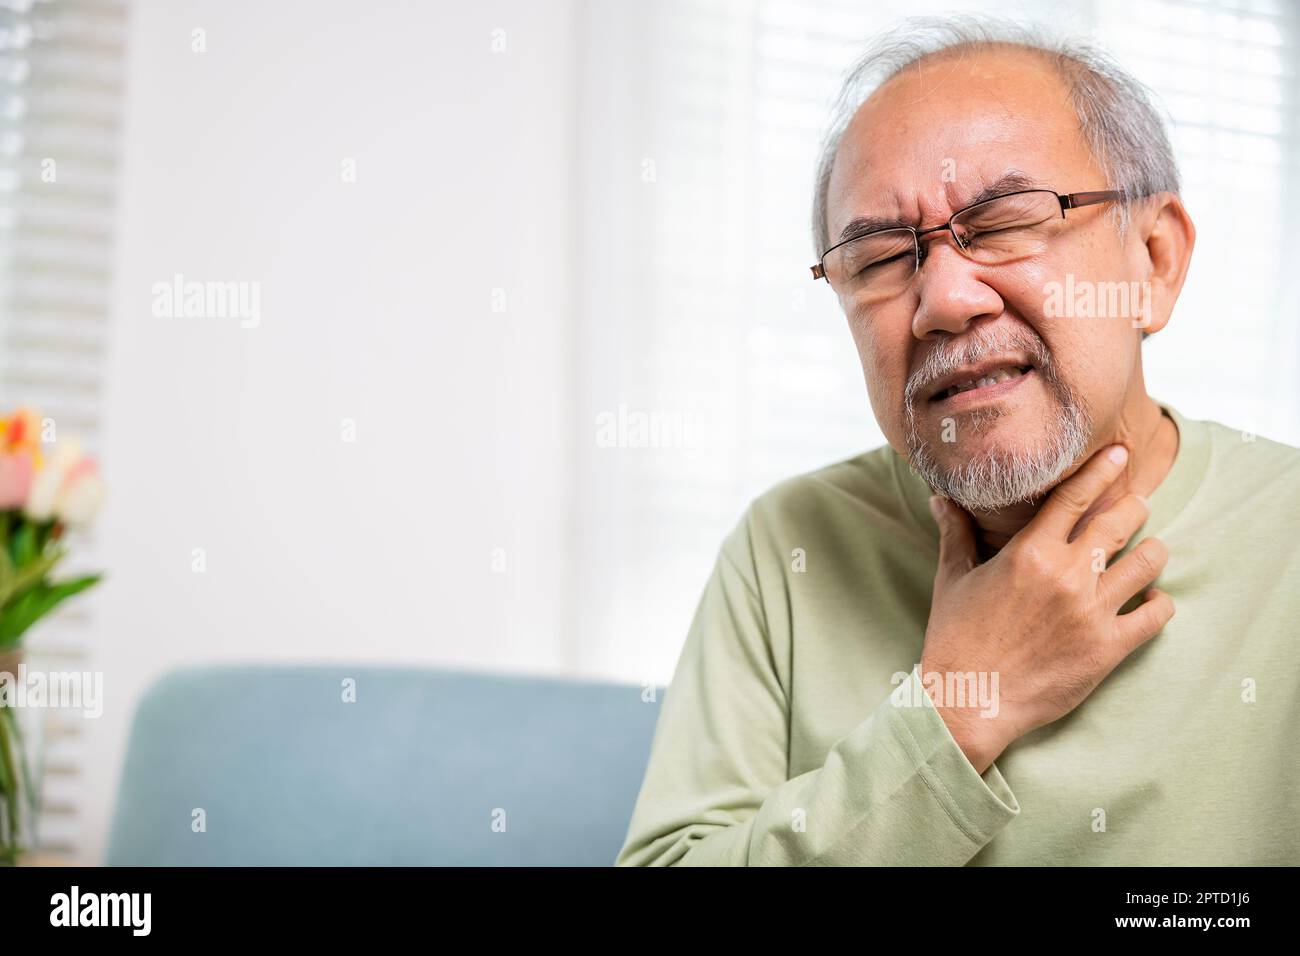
(981, 747)
(980, 738)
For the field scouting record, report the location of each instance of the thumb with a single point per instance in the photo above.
(957, 551)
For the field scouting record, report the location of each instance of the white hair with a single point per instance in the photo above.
(1117, 114)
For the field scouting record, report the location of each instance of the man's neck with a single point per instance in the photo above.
(1152, 440)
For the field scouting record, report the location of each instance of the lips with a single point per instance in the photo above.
(982, 375)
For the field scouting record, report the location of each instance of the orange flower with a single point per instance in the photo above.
(21, 432)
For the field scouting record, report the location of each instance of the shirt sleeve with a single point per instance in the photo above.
(896, 790)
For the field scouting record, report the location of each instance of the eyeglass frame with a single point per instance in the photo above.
(1067, 201)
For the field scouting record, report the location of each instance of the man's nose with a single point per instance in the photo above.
(951, 294)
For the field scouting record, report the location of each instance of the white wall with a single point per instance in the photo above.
(376, 306)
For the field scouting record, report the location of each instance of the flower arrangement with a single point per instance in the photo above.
(44, 491)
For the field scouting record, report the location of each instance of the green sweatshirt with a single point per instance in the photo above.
(785, 739)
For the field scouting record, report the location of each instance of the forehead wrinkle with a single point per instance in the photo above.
(1010, 180)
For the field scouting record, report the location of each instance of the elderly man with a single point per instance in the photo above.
(1053, 621)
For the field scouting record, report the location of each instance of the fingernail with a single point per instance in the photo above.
(936, 507)
(1118, 454)
(1146, 504)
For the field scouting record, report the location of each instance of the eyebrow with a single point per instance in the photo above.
(1009, 182)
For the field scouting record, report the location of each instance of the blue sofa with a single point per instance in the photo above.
(425, 767)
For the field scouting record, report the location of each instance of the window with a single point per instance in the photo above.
(701, 122)
(61, 74)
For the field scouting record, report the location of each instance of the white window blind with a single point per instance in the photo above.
(1227, 73)
(61, 76)
(700, 123)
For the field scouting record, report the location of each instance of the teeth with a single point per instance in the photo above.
(992, 378)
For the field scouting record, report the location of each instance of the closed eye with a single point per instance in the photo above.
(885, 262)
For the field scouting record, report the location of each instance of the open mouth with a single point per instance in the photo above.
(981, 381)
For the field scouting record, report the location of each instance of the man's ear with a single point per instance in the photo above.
(1167, 236)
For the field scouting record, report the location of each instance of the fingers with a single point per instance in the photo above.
(1145, 621)
(1133, 572)
(957, 550)
(1110, 530)
(1074, 496)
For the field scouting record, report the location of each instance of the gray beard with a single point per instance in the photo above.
(994, 480)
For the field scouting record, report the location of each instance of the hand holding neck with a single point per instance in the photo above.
(1151, 438)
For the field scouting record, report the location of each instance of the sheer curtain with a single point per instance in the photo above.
(711, 367)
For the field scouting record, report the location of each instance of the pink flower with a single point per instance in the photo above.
(15, 479)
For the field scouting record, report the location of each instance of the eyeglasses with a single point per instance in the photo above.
(878, 265)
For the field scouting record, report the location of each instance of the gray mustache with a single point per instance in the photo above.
(946, 358)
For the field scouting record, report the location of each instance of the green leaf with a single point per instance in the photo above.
(6, 571)
(16, 617)
(23, 544)
(33, 604)
(56, 593)
(28, 574)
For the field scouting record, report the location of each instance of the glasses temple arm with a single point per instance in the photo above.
(1075, 200)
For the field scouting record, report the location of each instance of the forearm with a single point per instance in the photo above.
(897, 790)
